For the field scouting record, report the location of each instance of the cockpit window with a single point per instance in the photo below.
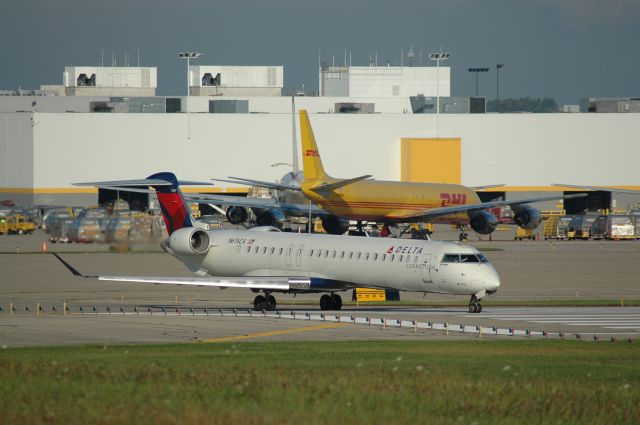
(451, 258)
(468, 258)
(482, 258)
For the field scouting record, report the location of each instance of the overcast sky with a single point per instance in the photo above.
(565, 49)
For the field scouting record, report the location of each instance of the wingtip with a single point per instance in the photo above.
(67, 265)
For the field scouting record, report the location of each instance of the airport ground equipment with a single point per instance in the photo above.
(20, 224)
(555, 227)
(4, 226)
(614, 227)
(524, 234)
(580, 227)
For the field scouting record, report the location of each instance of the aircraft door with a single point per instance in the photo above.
(287, 257)
(425, 268)
(299, 252)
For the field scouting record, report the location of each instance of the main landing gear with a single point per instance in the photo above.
(474, 305)
(266, 302)
(330, 302)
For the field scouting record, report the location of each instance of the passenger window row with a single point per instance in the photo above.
(345, 255)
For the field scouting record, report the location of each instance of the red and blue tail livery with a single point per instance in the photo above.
(174, 209)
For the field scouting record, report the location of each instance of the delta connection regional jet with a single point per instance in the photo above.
(266, 260)
(363, 199)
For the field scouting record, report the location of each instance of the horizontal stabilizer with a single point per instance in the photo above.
(250, 182)
(325, 188)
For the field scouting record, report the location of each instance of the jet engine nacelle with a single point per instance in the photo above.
(526, 217)
(483, 222)
(236, 215)
(273, 218)
(189, 241)
(335, 225)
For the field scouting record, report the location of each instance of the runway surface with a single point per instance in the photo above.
(529, 271)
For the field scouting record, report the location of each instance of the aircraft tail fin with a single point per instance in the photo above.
(175, 211)
(311, 162)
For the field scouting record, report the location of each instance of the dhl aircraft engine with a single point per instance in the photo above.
(273, 218)
(483, 222)
(335, 225)
(526, 217)
(189, 241)
(236, 215)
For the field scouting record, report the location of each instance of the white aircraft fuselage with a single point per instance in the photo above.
(403, 264)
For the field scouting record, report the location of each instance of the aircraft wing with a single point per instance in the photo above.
(269, 203)
(426, 214)
(604, 189)
(274, 283)
(488, 186)
(261, 183)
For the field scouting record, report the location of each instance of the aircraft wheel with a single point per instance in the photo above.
(259, 303)
(271, 303)
(325, 302)
(472, 308)
(479, 308)
(336, 302)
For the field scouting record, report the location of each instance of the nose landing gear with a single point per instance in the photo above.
(474, 305)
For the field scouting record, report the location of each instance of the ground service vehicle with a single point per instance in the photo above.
(20, 224)
(580, 227)
(614, 227)
(524, 234)
(555, 227)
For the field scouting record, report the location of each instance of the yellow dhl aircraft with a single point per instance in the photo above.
(364, 199)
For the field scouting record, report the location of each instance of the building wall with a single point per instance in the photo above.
(385, 81)
(530, 151)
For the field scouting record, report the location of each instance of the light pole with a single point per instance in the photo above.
(498, 66)
(188, 56)
(438, 56)
(477, 71)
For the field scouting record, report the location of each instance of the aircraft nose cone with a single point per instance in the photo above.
(492, 281)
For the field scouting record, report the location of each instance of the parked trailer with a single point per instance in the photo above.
(614, 227)
(580, 227)
(555, 227)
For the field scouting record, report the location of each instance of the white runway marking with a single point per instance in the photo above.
(612, 320)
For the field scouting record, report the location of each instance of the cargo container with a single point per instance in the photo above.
(614, 227)
(580, 227)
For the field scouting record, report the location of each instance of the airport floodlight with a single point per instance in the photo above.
(498, 66)
(438, 56)
(188, 56)
(477, 71)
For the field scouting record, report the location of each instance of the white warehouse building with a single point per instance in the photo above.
(42, 153)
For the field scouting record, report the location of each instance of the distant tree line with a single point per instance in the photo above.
(524, 104)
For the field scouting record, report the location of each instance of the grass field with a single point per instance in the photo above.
(480, 382)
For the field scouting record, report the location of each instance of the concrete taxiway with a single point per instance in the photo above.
(529, 271)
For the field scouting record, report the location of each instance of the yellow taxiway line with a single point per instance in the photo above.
(274, 333)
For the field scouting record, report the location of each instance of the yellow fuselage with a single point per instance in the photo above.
(385, 201)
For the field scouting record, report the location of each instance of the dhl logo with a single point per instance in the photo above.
(311, 152)
(447, 199)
